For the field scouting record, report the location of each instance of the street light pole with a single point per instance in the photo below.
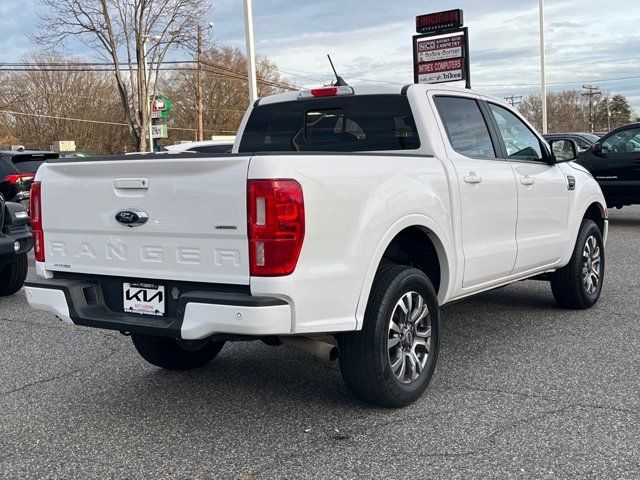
(251, 59)
(543, 72)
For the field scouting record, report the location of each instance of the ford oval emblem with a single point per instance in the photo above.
(132, 217)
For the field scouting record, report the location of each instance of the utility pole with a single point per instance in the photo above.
(543, 71)
(199, 79)
(251, 58)
(199, 108)
(591, 92)
(149, 102)
(514, 100)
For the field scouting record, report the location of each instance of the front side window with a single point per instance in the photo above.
(519, 140)
(625, 141)
(465, 125)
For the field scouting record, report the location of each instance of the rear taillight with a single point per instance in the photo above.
(36, 221)
(19, 177)
(276, 226)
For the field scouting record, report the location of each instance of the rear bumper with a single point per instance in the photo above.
(194, 314)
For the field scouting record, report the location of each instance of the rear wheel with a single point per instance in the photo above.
(392, 359)
(12, 275)
(579, 283)
(173, 354)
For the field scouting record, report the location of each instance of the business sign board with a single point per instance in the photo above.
(439, 21)
(160, 114)
(440, 71)
(159, 131)
(430, 50)
(442, 54)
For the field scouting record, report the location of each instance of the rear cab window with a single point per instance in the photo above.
(358, 123)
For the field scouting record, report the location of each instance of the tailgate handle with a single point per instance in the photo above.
(131, 183)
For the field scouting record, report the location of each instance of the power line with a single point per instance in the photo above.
(103, 122)
(91, 67)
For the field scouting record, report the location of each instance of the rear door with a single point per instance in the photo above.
(487, 191)
(543, 195)
(196, 207)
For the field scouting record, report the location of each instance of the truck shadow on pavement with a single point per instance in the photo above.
(250, 376)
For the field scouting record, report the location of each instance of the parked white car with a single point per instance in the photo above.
(355, 212)
(204, 146)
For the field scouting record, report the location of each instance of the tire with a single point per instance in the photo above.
(573, 285)
(371, 365)
(172, 354)
(13, 275)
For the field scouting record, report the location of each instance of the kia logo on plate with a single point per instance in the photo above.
(132, 217)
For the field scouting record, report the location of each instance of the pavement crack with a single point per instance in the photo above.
(549, 399)
(62, 375)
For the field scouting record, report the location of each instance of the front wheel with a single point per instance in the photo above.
(392, 359)
(578, 284)
(172, 354)
(13, 275)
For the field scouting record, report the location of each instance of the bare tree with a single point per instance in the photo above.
(119, 31)
(65, 102)
(226, 93)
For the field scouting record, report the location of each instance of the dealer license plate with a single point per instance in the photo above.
(143, 298)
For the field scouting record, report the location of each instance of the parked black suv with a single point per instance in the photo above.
(15, 242)
(614, 161)
(17, 170)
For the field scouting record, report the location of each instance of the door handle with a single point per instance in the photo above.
(472, 178)
(527, 180)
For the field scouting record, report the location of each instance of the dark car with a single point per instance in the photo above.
(614, 161)
(15, 242)
(17, 170)
(584, 140)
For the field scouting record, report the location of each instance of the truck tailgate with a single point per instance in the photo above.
(197, 218)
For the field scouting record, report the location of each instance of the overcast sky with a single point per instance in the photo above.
(587, 40)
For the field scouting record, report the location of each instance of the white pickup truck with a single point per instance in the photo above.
(347, 211)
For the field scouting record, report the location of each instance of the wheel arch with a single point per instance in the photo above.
(408, 232)
(597, 212)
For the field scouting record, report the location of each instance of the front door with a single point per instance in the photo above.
(487, 192)
(543, 194)
(616, 166)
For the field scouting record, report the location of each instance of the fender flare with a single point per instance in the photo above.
(591, 200)
(441, 241)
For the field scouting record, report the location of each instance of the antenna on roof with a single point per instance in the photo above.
(339, 80)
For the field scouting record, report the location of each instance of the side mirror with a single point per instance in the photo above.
(597, 149)
(564, 149)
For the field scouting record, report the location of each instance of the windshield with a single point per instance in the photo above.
(332, 124)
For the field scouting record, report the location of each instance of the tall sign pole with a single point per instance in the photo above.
(543, 70)
(251, 59)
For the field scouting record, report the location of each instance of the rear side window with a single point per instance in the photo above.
(465, 125)
(333, 124)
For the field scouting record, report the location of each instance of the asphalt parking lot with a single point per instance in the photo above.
(522, 390)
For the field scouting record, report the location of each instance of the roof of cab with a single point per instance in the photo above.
(387, 89)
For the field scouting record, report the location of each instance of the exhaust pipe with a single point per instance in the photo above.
(317, 348)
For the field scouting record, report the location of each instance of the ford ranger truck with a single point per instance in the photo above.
(352, 212)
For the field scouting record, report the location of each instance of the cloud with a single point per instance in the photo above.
(371, 41)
